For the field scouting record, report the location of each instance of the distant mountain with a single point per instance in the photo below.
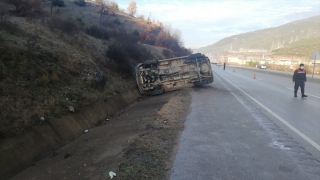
(302, 35)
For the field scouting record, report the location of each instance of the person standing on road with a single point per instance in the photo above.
(224, 66)
(299, 79)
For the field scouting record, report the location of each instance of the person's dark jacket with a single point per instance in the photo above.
(299, 74)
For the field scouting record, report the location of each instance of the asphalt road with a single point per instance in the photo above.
(244, 128)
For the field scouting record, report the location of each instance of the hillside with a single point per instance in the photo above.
(51, 65)
(297, 33)
(302, 48)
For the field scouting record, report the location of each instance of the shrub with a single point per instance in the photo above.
(117, 21)
(141, 17)
(20, 6)
(97, 32)
(24, 6)
(136, 33)
(123, 36)
(118, 54)
(32, 16)
(36, 6)
(252, 63)
(133, 51)
(114, 5)
(99, 80)
(187, 51)
(103, 11)
(167, 53)
(59, 3)
(80, 3)
(125, 49)
(66, 26)
(80, 21)
(43, 80)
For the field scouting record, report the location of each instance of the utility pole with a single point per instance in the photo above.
(314, 65)
(102, 9)
(51, 8)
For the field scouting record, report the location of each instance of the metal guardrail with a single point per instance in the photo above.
(315, 79)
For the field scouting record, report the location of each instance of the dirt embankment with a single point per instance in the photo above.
(136, 144)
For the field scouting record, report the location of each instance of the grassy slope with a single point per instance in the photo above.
(60, 71)
(266, 37)
(90, 15)
(302, 48)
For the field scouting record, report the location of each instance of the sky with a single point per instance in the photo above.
(204, 22)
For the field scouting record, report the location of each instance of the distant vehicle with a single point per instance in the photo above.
(158, 76)
(262, 66)
(219, 64)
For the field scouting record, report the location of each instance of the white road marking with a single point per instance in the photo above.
(306, 93)
(314, 144)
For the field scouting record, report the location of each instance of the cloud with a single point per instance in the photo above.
(208, 21)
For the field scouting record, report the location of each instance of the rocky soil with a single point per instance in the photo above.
(138, 143)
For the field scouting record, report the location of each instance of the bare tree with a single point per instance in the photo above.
(112, 4)
(175, 34)
(36, 5)
(99, 2)
(22, 6)
(132, 8)
(101, 12)
(15, 3)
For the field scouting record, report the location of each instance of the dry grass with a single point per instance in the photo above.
(29, 93)
(90, 15)
(38, 84)
(148, 155)
(9, 27)
(146, 159)
(288, 68)
(43, 68)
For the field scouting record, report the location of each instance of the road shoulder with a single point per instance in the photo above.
(138, 143)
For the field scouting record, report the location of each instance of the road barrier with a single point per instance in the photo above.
(278, 73)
